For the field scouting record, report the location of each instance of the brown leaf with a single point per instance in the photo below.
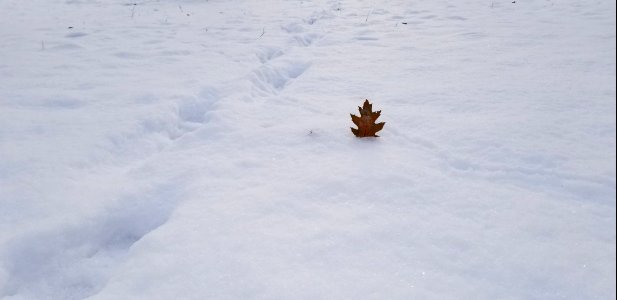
(366, 121)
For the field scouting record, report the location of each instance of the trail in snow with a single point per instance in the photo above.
(200, 150)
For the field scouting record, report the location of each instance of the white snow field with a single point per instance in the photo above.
(201, 149)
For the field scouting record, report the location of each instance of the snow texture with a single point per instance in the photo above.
(201, 149)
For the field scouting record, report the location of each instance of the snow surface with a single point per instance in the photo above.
(201, 149)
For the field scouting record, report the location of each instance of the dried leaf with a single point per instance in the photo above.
(366, 121)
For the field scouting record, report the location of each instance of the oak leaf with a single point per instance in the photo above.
(366, 121)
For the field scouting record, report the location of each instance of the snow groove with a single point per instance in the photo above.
(272, 78)
(280, 67)
(75, 261)
(194, 112)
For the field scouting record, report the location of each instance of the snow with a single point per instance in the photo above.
(201, 149)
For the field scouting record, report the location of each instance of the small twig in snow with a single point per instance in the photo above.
(367, 15)
(263, 31)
